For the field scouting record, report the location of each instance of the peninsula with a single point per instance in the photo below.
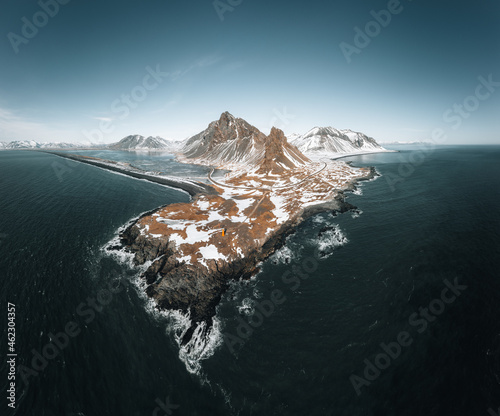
(194, 250)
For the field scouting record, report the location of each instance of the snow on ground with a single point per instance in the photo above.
(243, 204)
(173, 224)
(200, 222)
(279, 212)
(323, 156)
(211, 252)
(215, 216)
(203, 205)
(193, 236)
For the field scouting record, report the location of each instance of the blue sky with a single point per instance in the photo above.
(271, 63)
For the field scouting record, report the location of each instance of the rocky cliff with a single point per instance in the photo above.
(233, 141)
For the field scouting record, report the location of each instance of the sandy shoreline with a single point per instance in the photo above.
(191, 187)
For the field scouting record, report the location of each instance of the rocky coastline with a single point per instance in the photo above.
(189, 263)
(195, 289)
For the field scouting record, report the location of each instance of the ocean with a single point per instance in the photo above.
(388, 310)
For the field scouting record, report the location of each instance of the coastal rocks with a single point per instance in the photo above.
(145, 249)
(195, 288)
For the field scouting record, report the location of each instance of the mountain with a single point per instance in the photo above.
(279, 155)
(137, 142)
(326, 141)
(128, 143)
(231, 140)
(32, 144)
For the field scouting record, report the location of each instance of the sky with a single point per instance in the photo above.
(99, 70)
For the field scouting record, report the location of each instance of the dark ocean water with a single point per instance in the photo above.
(377, 269)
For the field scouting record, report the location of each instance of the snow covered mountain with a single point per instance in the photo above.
(137, 142)
(32, 144)
(327, 141)
(231, 140)
(128, 143)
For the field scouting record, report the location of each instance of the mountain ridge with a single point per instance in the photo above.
(138, 142)
(327, 141)
(232, 140)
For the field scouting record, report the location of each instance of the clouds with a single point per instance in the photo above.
(14, 125)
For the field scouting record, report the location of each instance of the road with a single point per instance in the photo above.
(263, 189)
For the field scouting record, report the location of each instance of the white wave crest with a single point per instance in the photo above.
(201, 346)
(247, 307)
(329, 240)
(282, 256)
(356, 213)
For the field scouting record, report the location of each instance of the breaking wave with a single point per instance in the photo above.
(356, 213)
(247, 307)
(203, 342)
(283, 256)
(328, 240)
(332, 238)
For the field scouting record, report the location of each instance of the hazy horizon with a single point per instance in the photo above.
(396, 71)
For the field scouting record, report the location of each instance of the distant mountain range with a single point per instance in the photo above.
(231, 140)
(137, 142)
(327, 141)
(32, 144)
(134, 143)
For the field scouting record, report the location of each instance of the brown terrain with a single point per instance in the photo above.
(193, 250)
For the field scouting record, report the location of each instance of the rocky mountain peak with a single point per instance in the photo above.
(279, 155)
(276, 135)
(226, 119)
(232, 140)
